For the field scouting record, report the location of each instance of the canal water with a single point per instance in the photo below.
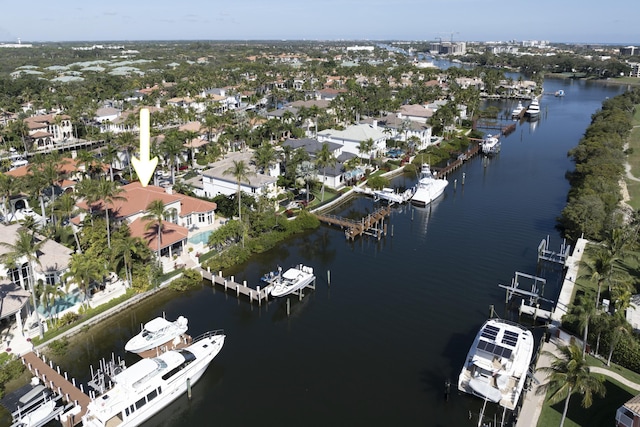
(376, 345)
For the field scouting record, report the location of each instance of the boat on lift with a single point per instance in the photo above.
(490, 145)
(291, 280)
(158, 333)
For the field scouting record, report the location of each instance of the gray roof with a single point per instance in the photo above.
(310, 145)
(360, 132)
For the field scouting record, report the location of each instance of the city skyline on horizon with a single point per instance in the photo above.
(571, 21)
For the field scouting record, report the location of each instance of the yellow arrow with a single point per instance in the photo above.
(144, 166)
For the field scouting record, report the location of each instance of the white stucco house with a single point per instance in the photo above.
(17, 279)
(352, 136)
(215, 181)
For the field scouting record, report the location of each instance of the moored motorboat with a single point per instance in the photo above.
(490, 145)
(533, 110)
(138, 392)
(390, 195)
(517, 112)
(428, 187)
(497, 363)
(158, 333)
(291, 280)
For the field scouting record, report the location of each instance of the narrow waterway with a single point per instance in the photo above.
(376, 345)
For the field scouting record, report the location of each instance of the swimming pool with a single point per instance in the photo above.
(200, 238)
(60, 304)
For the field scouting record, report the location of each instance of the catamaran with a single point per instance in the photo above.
(497, 363)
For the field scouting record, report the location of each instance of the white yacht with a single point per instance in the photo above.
(428, 187)
(533, 110)
(517, 112)
(156, 333)
(490, 145)
(291, 280)
(140, 391)
(497, 363)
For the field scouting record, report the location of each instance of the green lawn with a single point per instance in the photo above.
(601, 413)
(634, 160)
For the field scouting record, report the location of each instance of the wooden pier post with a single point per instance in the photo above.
(189, 388)
(329, 277)
(259, 297)
(288, 307)
(463, 177)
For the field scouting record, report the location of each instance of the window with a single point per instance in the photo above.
(140, 403)
(210, 218)
(189, 221)
(152, 395)
(201, 217)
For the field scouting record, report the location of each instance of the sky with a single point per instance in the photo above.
(586, 21)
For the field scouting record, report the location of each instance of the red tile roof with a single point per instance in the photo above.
(171, 233)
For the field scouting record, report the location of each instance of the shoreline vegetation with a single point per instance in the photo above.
(597, 209)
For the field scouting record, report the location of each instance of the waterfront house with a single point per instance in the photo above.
(628, 415)
(185, 217)
(215, 181)
(332, 175)
(351, 138)
(48, 129)
(17, 279)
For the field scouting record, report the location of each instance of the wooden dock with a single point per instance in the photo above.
(463, 157)
(373, 224)
(59, 383)
(258, 294)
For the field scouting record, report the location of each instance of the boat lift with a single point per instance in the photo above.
(544, 254)
(535, 295)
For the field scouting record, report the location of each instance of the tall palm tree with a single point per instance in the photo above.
(582, 311)
(365, 146)
(109, 192)
(324, 158)
(124, 250)
(127, 142)
(8, 187)
(265, 156)
(154, 218)
(84, 269)
(26, 246)
(618, 327)
(240, 171)
(172, 147)
(64, 207)
(599, 268)
(569, 373)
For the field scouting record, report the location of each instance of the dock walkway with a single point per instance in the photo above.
(258, 294)
(371, 224)
(54, 380)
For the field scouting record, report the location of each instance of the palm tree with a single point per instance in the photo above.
(582, 311)
(65, 206)
(599, 268)
(240, 171)
(109, 192)
(324, 158)
(154, 218)
(84, 269)
(124, 251)
(172, 147)
(127, 141)
(265, 156)
(569, 373)
(365, 146)
(26, 246)
(618, 327)
(8, 187)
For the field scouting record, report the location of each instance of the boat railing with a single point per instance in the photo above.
(208, 334)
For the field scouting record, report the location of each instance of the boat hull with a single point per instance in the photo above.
(122, 414)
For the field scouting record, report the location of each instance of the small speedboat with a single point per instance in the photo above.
(156, 333)
(292, 280)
